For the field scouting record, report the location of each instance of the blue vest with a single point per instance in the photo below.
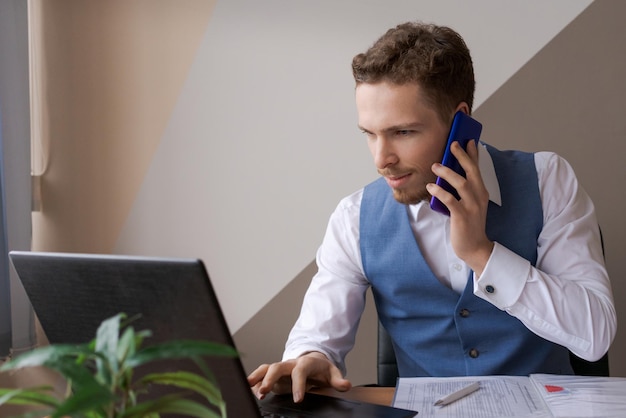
(435, 331)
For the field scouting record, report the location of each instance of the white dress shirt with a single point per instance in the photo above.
(565, 299)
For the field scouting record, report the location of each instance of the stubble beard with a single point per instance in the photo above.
(416, 194)
(411, 197)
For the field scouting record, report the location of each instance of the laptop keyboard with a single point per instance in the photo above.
(268, 413)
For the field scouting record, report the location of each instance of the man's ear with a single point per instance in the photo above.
(463, 107)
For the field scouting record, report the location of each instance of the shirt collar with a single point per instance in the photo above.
(487, 172)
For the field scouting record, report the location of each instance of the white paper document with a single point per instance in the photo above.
(582, 396)
(536, 396)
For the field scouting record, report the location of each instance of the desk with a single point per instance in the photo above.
(579, 397)
(377, 395)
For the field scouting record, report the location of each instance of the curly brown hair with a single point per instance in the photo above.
(435, 57)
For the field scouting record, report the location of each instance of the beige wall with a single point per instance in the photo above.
(111, 73)
(226, 131)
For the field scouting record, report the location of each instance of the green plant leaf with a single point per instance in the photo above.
(172, 404)
(45, 356)
(187, 380)
(180, 349)
(33, 414)
(106, 343)
(100, 376)
(30, 396)
(79, 376)
(90, 397)
(63, 359)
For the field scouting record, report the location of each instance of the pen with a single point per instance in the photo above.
(455, 396)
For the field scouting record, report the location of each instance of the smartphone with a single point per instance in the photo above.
(464, 129)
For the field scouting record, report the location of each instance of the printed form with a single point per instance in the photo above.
(539, 395)
(498, 397)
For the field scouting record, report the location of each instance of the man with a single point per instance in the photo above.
(507, 284)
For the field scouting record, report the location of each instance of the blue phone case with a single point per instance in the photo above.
(464, 128)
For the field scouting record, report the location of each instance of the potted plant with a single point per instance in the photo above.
(102, 382)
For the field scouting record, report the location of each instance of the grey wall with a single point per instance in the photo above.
(15, 110)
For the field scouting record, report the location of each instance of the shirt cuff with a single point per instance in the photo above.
(503, 278)
(291, 353)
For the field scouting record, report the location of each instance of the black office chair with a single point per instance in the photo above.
(387, 368)
(386, 365)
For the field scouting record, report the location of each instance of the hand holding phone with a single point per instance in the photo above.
(464, 129)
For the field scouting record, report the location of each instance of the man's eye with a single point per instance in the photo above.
(369, 135)
(403, 132)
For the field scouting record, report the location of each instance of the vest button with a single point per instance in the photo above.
(473, 353)
(464, 313)
(489, 289)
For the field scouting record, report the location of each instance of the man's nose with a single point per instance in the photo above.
(384, 154)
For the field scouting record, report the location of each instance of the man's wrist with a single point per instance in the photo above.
(479, 260)
(317, 354)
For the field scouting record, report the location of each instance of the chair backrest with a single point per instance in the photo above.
(387, 368)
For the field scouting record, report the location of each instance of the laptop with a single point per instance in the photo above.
(72, 294)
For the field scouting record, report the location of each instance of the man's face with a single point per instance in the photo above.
(404, 135)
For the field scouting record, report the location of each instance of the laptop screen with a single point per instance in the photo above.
(72, 294)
